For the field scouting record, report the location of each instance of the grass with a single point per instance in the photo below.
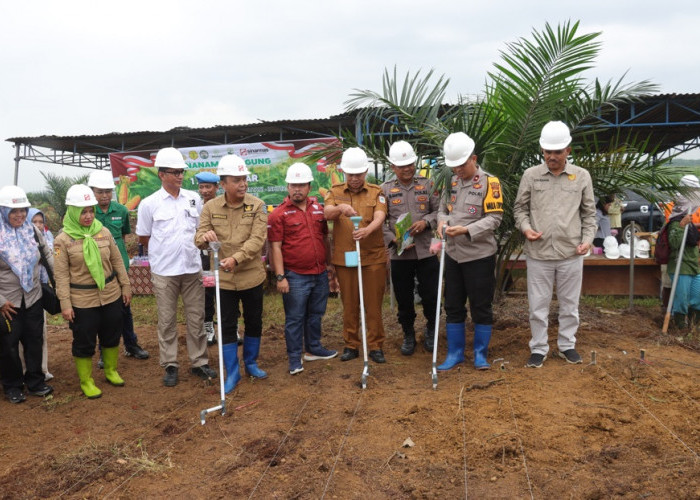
(619, 302)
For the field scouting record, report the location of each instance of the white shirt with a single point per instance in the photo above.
(171, 223)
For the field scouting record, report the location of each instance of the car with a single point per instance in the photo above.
(640, 213)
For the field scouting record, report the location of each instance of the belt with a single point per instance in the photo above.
(91, 287)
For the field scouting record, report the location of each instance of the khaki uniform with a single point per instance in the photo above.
(373, 259)
(422, 202)
(70, 268)
(477, 204)
(242, 230)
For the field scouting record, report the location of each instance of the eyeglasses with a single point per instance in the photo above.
(176, 173)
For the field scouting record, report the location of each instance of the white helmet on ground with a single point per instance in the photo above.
(401, 154)
(13, 197)
(354, 161)
(169, 158)
(555, 135)
(232, 165)
(458, 147)
(101, 179)
(80, 195)
(299, 173)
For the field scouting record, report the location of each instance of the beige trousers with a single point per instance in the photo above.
(167, 289)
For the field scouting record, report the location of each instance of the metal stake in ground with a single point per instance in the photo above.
(215, 246)
(667, 319)
(365, 370)
(437, 311)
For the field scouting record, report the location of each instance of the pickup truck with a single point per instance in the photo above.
(644, 215)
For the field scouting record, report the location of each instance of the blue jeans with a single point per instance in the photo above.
(304, 307)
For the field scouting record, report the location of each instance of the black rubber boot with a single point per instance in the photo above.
(429, 338)
(409, 341)
(679, 320)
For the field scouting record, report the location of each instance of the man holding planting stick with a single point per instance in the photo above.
(298, 235)
(344, 200)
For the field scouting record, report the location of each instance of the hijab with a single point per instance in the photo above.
(91, 253)
(18, 248)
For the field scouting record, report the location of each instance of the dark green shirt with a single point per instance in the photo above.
(116, 219)
(689, 262)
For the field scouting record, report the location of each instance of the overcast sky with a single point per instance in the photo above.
(87, 67)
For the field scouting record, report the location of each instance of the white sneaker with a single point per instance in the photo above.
(47, 377)
(211, 333)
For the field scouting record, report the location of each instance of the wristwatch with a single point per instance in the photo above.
(280, 277)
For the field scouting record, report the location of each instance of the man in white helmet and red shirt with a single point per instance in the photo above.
(167, 221)
(412, 194)
(298, 235)
(555, 210)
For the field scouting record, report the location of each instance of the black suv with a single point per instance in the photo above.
(643, 214)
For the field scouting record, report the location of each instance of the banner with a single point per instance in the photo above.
(137, 178)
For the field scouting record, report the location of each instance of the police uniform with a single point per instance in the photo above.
(470, 262)
(373, 258)
(420, 200)
(242, 230)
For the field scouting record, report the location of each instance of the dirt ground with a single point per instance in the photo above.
(619, 428)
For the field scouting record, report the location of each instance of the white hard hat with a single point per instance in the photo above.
(612, 253)
(232, 165)
(354, 161)
(80, 195)
(401, 154)
(101, 179)
(624, 250)
(609, 242)
(642, 249)
(458, 147)
(690, 181)
(170, 158)
(299, 173)
(555, 135)
(13, 197)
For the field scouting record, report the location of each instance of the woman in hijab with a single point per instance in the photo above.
(20, 298)
(91, 283)
(37, 218)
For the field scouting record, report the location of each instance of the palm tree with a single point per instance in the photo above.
(54, 196)
(537, 80)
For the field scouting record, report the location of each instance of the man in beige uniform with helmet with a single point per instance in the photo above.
(357, 197)
(474, 211)
(555, 210)
(238, 220)
(414, 194)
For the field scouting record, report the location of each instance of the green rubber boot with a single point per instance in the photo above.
(87, 384)
(110, 356)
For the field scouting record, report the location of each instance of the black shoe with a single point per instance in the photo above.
(349, 354)
(536, 360)
(409, 344)
(41, 391)
(135, 351)
(15, 395)
(428, 340)
(571, 356)
(377, 356)
(203, 372)
(170, 379)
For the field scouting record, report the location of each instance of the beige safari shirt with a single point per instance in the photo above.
(476, 203)
(423, 202)
(561, 206)
(366, 202)
(70, 268)
(242, 230)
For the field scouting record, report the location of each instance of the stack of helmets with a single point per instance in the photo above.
(624, 249)
(642, 249)
(610, 247)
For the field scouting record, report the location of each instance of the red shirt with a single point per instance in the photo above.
(302, 234)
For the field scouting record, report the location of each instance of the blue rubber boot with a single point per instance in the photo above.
(482, 336)
(233, 374)
(455, 346)
(251, 348)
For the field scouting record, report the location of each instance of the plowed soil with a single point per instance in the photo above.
(623, 427)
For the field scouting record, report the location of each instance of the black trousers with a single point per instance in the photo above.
(252, 300)
(90, 323)
(403, 275)
(474, 281)
(27, 326)
(209, 303)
